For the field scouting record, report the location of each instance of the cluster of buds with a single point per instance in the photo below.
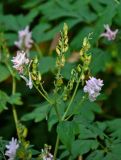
(4, 51)
(45, 153)
(85, 57)
(74, 78)
(23, 151)
(36, 76)
(62, 46)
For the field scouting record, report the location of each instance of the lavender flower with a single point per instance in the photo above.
(93, 87)
(11, 149)
(28, 81)
(109, 34)
(19, 60)
(25, 39)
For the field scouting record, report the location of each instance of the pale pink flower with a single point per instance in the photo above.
(19, 61)
(28, 81)
(93, 87)
(109, 34)
(25, 39)
(11, 149)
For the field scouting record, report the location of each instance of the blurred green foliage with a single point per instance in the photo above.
(98, 128)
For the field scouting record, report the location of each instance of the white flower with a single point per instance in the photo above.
(28, 81)
(46, 155)
(11, 149)
(109, 34)
(25, 39)
(19, 60)
(93, 87)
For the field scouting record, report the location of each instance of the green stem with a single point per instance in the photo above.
(56, 148)
(79, 105)
(73, 96)
(14, 109)
(13, 92)
(43, 89)
(48, 100)
(57, 140)
(57, 112)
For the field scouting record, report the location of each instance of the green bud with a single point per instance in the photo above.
(35, 60)
(65, 97)
(65, 29)
(85, 41)
(82, 76)
(59, 82)
(71, 85)
(79, 68)
(39, 76)
(58, 51)
(60, 43)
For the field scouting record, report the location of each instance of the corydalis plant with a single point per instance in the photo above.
(63, 93)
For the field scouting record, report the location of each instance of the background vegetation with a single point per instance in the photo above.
(46, 19)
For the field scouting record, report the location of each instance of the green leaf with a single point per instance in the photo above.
(3, 100)
(114, 127)
(46, 64)
(65, 131)
(15, 99)
(39, 31)
(87, 108)
(30, 4)
(115, 153)
(80, 147)
(96, 155)
(2, 147)
(99, 60)
(52, 118)
(78, 39)
(4, 73)
(64, 154)
(66, 71)
(10, 38)
(9, 22)
(38, 114)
